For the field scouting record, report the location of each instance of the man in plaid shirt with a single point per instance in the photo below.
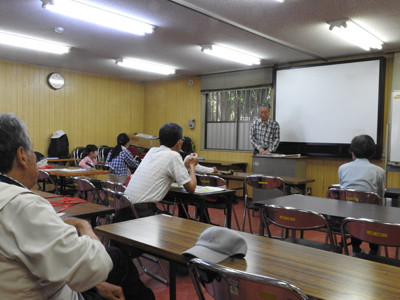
(264, 132)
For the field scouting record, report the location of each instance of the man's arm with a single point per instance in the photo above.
(253, 141)
(190, 187)
(83, 227)
(275, 143)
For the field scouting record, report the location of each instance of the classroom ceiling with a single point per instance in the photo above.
(278, 33)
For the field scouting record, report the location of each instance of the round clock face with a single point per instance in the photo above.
(56, 80)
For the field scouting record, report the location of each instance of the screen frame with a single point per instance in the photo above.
(336, 149)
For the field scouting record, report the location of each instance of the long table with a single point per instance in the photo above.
(291, 182)
(224, 165)
(84, 210)
(199, 199)
(320, 274)
(336, 208)
(65, 172)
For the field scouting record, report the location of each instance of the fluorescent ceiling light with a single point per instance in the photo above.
(230, 54)
(30, 43)
(97, 16)
(145, 66)
(355, 34)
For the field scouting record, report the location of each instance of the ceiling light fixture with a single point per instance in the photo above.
(98, 16)
(30, 43)
(145, 66)
(230, 54)
(353, 33)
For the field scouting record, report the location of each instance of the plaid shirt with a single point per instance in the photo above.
(266, 135)
(122, 162)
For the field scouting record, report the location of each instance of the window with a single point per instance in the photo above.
(229, 115)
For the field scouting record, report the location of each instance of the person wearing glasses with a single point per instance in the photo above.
(159, 169)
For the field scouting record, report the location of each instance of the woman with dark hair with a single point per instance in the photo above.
(89, 157)
(120, 158)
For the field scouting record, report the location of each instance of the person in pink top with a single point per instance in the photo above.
(89, 157)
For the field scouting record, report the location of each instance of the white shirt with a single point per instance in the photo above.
(153, 178)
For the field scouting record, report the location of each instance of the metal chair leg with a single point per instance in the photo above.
(152, 274)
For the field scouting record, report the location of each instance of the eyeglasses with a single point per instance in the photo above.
(183, 139)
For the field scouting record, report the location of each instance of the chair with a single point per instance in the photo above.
(105, 168)
(376, 232)
(83, 187)
(77, 154)
(263, 183)
(119, 200)
(224, 283)
(353, 195)
(44, 178)
(215, 181)
(103, 153)
(293, 219)
(349, 195)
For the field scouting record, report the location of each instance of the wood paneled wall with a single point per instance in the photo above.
(95, 109)
(90, 109)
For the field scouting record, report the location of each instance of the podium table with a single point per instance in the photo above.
(277, 165)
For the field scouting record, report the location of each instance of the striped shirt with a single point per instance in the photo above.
(266, 135)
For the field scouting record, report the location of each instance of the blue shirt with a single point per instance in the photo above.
(266, 135)
(361, 175)
(122, 162)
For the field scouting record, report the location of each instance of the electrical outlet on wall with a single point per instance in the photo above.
(191, 123)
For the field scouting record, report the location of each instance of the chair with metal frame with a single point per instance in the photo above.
(45, 178)
(261, 182)
(84, 187)
(224, 283)
(349, 195)
(119, 200)
(292, 220)
(354, 195)
(215, 181)
(105, 168)
(77, 154)
(375, 232)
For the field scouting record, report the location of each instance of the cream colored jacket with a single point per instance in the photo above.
(41, 257)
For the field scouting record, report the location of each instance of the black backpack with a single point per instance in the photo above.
(59, 146)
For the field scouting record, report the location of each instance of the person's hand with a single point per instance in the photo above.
(193, 159)
(109, 291)
(82, 227)
(215, 170)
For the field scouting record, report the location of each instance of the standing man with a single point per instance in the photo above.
(264, 132)
(41, 256)
(159, 169)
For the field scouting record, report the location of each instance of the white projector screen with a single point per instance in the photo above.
(330, 104)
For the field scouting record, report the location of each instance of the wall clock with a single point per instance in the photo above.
(55, 80)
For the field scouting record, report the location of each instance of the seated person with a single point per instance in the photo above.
(186, 151)
(361, 175)
(42, 256)
(159, 169)
(120, 158)
(89, 160)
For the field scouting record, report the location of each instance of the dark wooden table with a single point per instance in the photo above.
(224, 165)
(295, 182)
(199, 200)
(336, 208)
(84, 210)
(320, 274)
